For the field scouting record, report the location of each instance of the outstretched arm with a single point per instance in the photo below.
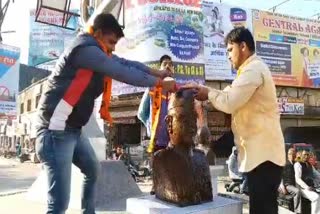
(133, 73)
(231, 98)
(234, 97)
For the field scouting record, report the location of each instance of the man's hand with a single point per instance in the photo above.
(311, 189)
(201, 91)
(282, 189)
(165, 73)
(161, 73)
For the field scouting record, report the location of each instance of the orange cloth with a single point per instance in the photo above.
(156, 108)
(106, 97)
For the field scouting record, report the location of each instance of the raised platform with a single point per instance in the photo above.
(215, 171)
(151, 205)
(284, 211)
(114, 186)
(219, 205)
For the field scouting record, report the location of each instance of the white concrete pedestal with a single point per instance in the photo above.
(219, 205)
(215, 171)
(151, 205)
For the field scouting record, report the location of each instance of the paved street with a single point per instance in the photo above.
(16, 178)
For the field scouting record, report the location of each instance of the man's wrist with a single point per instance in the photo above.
(154, 72)
(212, 94)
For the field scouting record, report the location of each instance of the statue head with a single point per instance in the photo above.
(182, 118)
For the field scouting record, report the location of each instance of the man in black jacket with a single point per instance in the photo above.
(82, 73)
(288, 184)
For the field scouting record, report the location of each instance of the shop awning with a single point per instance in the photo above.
(124, 117)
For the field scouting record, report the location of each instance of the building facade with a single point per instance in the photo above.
(300, 119)
(22, 129)
(127, 130)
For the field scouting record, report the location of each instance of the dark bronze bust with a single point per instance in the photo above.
(181, 173)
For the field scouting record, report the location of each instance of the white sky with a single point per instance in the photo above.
(302, 8)
(18, 16)
(17, 19)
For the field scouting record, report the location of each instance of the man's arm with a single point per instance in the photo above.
(235, 96)
(93, 58)
(143, 67)
(298, 174)
(136, 64)
(144, 108)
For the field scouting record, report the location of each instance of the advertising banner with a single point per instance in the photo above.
(291, 106)
(9, 81)
(155, 28)
(219, 20)
(290, 46)
(47, 42)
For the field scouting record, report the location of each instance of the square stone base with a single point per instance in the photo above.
(150, 205)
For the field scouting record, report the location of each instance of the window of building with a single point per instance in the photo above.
(29, 105)
(21, 108)
(37, 100)
(132, 130)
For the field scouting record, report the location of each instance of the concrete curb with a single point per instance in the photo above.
(235, 197)
(14, 192)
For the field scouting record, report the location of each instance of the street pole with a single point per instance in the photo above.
(3, 12)
(275, 7)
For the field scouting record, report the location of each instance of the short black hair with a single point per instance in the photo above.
(107, 23)
(164, 57)
(241, 34)
(303, 49)
(316, 51)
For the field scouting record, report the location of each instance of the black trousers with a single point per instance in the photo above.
(263, 183)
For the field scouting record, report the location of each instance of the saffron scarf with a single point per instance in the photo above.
(106, 97)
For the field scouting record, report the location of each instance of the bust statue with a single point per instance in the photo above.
(180, 172)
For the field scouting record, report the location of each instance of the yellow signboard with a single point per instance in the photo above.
(290, 46)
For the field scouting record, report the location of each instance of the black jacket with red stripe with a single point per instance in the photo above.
(78, 80)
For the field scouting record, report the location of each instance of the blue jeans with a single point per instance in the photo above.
(57, 150)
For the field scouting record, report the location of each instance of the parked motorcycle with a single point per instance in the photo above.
(138, 172)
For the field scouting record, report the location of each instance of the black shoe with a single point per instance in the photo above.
(236, 191)
(244, 193)
(152, 192)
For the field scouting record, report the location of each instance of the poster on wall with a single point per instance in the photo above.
(47, 42)
(290, 46)
(155, 28)
(219, 20)
(9, 81)
(291, 106)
